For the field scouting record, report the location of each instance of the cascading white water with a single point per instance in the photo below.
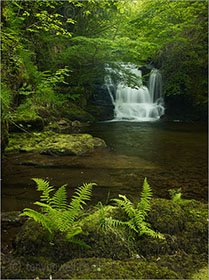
(141, 104)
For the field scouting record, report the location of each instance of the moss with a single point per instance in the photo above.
(166, 216)
(54, 143)
(194, 237)
(73, 112)
(26, 120)
(99, 268)
(177, 257)
(27, 268)
(4, 134)
(200, 274)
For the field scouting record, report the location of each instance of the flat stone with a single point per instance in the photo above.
(51, 143)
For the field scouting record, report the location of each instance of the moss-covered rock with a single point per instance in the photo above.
(183, 250)
(53, 143)
(33, 240)
(73, 112)
(65, 126)
(99, 268)
(4, 134)
(26, 121)
(201, 273)
(194, 237)
(166, 216)
(28, 267)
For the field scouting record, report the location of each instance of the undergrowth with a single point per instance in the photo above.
(135, 215)
(56, 214)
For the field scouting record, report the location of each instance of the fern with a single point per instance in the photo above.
(56, 214)
(126, 205)
(146, 195)
(38, 217)
(59, 199)
(135, 215)
(43, 185)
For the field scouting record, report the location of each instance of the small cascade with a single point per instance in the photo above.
(137, 104)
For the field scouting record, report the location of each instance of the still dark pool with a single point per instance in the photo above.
(171, 155)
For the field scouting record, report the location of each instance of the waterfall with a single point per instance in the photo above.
(137, 104)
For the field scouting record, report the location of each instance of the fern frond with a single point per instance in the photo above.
(146, 195)
(38, 217)
(79, 242)
(144, 229)
(56, 213)
(43, 185)
(139, 218)
(111, 223)
(126, 205)
(66, 220)
(59, 199)
(73, 232)
(44, 207)
(131, 225)
(83, 193)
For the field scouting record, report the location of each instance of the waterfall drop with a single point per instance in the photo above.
(137, 104)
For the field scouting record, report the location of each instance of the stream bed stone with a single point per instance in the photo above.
(51, 143)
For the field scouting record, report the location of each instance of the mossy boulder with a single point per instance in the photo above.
(26, 121)
(114, 255)
(100, 268)
(29, 267)
(194, 237)
(166, 216)
(54, 144)
(34, 240)
(73, 112)
(65, 126)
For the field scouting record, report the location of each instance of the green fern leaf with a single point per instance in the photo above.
(83, 193)
(146, 195)
(38, 217)
(112, 223)
(43, 185)
(126, 205)
(131, 225)
(59, 200)
(73, 232)
(79, 242)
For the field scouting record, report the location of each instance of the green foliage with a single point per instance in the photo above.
(175, 195)
(6, 99)
(41, 37)
(135, 216)
(56, 214)
(176, 32)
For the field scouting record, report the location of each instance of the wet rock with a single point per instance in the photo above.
(51, 143)
(12, 219)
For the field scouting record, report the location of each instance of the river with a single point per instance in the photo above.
(170, 154)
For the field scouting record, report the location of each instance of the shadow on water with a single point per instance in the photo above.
(170, 155)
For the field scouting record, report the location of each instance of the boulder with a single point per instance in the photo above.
(51, 143)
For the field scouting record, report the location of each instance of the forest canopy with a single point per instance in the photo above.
(55, 51)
